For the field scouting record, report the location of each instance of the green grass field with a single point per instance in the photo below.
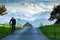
(6, 30)
(49, 31)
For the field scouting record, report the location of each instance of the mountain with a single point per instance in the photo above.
(42, 15)
(22, 19)
(37, 22)
(21, 22)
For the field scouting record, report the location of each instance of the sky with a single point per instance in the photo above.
(29, 8)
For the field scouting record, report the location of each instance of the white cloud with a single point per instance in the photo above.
(36, 8)
(29, 8)
(24, 18)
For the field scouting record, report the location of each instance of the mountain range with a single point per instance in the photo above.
(22, 19)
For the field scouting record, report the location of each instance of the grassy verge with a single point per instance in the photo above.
(6, 30)
(49, 31)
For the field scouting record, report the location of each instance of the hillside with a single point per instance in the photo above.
(6, 30)
(49, 31)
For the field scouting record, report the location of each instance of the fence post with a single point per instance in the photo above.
(46, 30)
(54, 32)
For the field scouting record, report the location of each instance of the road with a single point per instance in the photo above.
(27, 34)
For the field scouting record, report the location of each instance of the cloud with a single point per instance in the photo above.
(28, 1)
(25, 18)
(29, 8)
(36, 8)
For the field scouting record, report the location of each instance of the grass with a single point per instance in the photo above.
(6, 30)
(49, 31)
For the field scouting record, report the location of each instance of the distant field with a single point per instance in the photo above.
(49, 31)
(6, 30)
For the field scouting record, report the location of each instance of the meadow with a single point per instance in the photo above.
(6, 30)
(52, 32)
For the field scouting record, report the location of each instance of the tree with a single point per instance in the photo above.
(55, 14)
(2, 10)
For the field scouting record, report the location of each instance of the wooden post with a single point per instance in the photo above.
(3, 28)
(46, 30)
(54, 32)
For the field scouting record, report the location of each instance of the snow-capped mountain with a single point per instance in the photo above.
(45, 14)
(37, 22)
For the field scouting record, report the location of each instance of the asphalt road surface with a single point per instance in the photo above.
(27, 34)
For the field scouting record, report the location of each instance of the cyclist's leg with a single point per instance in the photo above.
(13, 28)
